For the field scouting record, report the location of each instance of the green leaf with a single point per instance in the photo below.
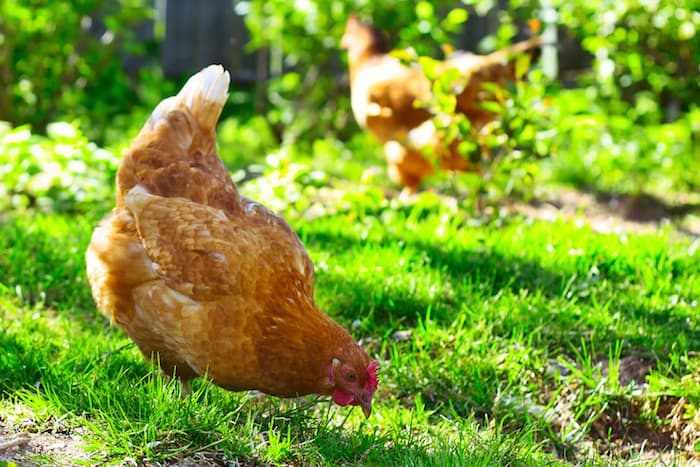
(290, 81)
(430, 67)
(425, 10)
(492, 88)
(405, 56)
(455, 18)
(522, 65)
(492, 106)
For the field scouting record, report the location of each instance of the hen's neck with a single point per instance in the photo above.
(362, 59)
(296, 348)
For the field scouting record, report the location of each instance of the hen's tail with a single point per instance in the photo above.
(204, 96)
(497, 67)
(497, 62)
(532, 47)
(175, 152)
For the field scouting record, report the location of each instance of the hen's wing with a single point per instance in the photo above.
(205, 254)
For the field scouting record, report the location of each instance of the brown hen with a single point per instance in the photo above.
(385, 94)
(208, 282)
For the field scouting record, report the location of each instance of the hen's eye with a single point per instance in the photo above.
(350, 376)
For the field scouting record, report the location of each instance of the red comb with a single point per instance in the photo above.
(372, 378)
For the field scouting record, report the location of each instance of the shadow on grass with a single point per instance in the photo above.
(20, 365)
(466, 270)
(637, 207)
(482, 275)
(642, 207)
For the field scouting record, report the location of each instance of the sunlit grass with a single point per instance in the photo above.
(499, 345)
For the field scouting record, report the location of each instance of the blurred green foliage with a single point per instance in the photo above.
(596, 149)
(245, 142)
(634, 123)
(60, 172)
(62, 59)
(646, 51)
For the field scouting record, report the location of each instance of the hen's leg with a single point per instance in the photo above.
(185, 384)
(406, 167)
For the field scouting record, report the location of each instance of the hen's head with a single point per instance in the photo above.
(354, 382)
(362, 38)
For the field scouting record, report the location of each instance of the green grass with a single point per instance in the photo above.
(502, 340)
(508, 327)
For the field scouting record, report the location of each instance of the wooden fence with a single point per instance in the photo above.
(198, 33)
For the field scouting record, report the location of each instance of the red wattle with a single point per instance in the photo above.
(343, 398)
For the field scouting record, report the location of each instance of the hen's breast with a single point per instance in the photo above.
(373, 74)
(116, 263)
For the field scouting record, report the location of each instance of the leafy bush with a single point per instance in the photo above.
(63, 59)
(243, 143)
(505, 149)
(647, 52)
(607, 151)
(296, 189)
(62, 172)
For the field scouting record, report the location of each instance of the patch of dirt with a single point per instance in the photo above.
(644, 207)
(614, 213)
(41, 448)
(22, 442)
(622, 431)
(631, 369)
(659, 430)
(208, 458)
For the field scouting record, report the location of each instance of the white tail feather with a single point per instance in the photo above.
(163, 108)
(211, 84)
(204, 95)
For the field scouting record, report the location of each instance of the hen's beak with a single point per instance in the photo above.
(366, 409)
(366, 403)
